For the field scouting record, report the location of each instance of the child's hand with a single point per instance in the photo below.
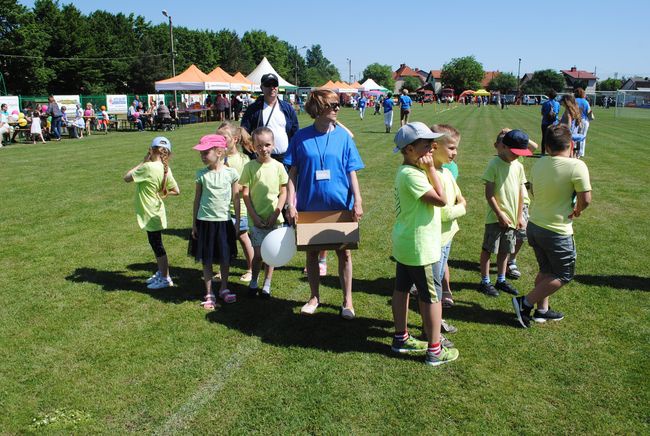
(461, 200)
(522, 223)
(357, 211)
(292, 215)
(195, 232)
(504, 221)
(575, 214)
(425, 162)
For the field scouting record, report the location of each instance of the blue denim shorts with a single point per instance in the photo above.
(555, 253)
(243, 223)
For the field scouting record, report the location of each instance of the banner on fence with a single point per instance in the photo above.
(11, 101)
(117, 104)
(69, 101)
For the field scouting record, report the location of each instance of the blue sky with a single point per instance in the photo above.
(599, 34)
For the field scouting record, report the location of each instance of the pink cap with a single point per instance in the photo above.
(210, 141)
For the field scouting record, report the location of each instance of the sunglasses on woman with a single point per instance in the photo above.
(333, 106)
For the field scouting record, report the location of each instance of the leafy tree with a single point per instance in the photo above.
(233, 56)
(319, 68)
(411, 83)
(382, 74)
(609, 85)
(261, 45)
(543, 80)
(296, 65)
(504, 83)
(462, 73)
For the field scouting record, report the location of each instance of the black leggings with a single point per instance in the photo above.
(155, 240)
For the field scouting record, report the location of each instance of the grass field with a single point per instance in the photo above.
(86, 348)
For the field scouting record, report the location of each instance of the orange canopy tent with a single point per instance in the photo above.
(221, 80)
(191, 79)
(241, 83)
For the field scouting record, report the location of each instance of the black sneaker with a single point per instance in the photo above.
(550, 315)
(522, 312)
(488, 289)
(506, 287)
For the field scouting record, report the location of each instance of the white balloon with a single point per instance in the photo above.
(279, 246)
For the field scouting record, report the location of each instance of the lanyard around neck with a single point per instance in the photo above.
(270, 115)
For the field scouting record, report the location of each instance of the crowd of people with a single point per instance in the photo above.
(263, 174)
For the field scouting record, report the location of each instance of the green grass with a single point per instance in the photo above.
(86, 348)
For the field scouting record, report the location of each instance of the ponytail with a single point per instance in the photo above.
(164, 158)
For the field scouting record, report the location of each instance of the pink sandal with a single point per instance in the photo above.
(210, 302)
(227, 296)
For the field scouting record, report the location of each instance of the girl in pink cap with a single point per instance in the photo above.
(213, 233)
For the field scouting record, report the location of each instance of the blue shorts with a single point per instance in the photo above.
(243, 223)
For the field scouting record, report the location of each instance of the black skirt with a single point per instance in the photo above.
(216, 242)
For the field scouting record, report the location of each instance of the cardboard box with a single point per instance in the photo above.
(331, 230)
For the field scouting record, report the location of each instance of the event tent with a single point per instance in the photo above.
(265, 67)
(344, 88)
(241, 83)
(371, 85)
(328, 85)
(221, 81)
(482, 93)
(191, 79)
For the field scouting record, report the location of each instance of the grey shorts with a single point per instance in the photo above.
(497, 239)
(520, 234)
(426, 279)
(257, 235)
(555, 253)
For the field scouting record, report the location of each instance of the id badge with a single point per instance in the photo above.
(322, 174)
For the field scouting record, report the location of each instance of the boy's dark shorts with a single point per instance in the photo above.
(520, 234)
(497, 239)
(555, 253)
(426, 279)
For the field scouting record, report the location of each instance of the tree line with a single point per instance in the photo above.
(56, 49)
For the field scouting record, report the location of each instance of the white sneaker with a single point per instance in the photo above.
(162, 282)
(153, 278)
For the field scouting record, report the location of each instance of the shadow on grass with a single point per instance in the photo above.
(184, 234)
(628, 283)
(474, 312)
(467, 265)
(380, 286)
(277, 322)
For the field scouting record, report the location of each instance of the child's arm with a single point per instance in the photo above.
(357, 209)
(128, 177)
(504, 221)
(195, 208)
(282, 198)
(235, 201)
(291, 195)
(257, 221)
(532, 145)
(521, 222)
(583, 202)
(436, 196)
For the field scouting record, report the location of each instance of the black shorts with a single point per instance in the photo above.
(426, 279)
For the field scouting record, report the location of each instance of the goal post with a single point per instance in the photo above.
(633, 104)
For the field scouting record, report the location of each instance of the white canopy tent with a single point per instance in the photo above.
(371, 85)
(265, 67)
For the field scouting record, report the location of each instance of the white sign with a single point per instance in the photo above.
(154, 99)
(69, 101)
(12, 103)
(117, 104)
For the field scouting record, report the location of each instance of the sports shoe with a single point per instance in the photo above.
(488, 289)
(549, 315)
(447, 328)
(347, 313)
(252, 288)
(154, 277)
(506, 287)
(161, 282)
(246, 277)
(265, 292)
(522, 312)
(512, 272)
(446, 343)
(447, 355)
(410, 345)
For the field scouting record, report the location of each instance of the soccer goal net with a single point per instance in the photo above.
(633, 104)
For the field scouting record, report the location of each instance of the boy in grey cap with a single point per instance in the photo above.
(416, 237)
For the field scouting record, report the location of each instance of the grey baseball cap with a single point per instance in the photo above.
(411, 132)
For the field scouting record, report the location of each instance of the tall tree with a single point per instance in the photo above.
(260, 45)
(382, 74)
(462, 73)
(504, 83)
(233, 56)
(609, 85)
(543, 80)
(319, 68)
(296, 65)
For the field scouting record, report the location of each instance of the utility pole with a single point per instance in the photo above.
(171, 39)
(349, 69)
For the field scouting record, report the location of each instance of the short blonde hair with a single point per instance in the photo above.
(451, 133)
(319, 101)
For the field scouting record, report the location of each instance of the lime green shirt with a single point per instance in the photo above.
(416, 233)
(237, 161)
(216, 193)
(554, 180)
(508, 179)
(264, 182)
(149, 207)
(452, 211)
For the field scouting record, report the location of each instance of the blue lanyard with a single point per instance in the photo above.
(322, 155)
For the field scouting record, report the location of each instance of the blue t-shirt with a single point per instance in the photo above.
(405, 101)
(583, 104)
(362, 102)
(546, 108)
(388, 104)
(310, 151)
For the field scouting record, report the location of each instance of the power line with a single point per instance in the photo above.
(83, 59)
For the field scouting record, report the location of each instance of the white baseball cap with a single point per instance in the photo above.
(411, 132)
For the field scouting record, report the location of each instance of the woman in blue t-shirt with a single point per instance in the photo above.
(323, 177)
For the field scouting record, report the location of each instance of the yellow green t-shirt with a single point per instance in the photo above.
(554, 179)
(452, 211)
(416, 233)
(216, 193)
(237, 161)
(508, 179)
(149, 207)
(264, 181)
